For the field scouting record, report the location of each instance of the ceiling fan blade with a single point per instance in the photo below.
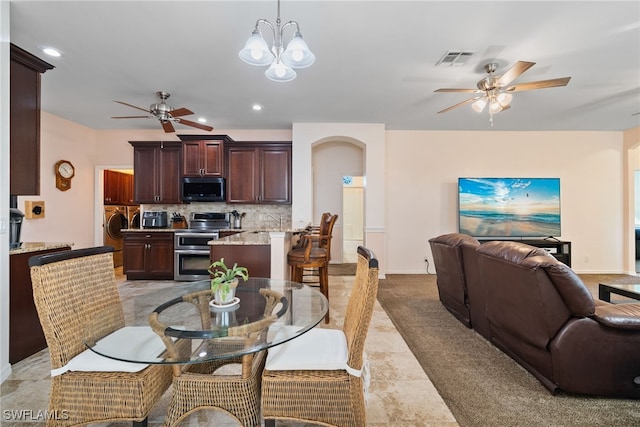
(194, 124)
(458, 90)
(459, 104)
(514, 72)
(541, 84)
(132, 117)
(167, 126)
(180, 112)
(132, 106)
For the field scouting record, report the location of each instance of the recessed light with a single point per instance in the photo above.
(51, 51)
(202, 120)
(256, 107)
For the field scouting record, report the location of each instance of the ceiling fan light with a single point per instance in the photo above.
(297, 53)
(280, 72)
(505, 99)
(479, 105)
(256, 51)
(494, 106)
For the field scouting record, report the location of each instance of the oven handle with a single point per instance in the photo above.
(212, 234)
(191, 252)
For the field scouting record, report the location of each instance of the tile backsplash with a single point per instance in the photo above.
(256, 216)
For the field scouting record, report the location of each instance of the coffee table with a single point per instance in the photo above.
(606, 289)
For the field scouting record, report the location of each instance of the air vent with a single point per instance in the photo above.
(454, 58)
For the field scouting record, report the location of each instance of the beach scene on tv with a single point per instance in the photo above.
(509, 207)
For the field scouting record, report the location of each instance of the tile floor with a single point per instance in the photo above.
(400, 393)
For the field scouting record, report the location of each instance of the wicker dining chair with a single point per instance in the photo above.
(314, 252)
(72, 290)
(200, 386)
(320, 376)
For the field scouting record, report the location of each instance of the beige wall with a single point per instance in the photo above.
(423, 168)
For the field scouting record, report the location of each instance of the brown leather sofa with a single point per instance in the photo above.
(451, 280)
(539, 312)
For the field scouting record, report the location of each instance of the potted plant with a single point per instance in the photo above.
(225, 280)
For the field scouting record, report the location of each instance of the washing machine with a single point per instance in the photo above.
(133, 216)
(115, 220)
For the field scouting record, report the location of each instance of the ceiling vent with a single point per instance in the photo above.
(454, 58)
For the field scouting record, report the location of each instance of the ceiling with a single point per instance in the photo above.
(375, 62)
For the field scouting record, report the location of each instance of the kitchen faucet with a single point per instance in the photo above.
(279, 219)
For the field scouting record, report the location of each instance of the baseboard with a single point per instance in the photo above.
(5, 372)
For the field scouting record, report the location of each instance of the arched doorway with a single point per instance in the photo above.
(332, 160)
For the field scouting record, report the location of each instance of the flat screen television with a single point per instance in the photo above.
(509, 207)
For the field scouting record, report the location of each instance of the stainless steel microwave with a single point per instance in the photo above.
(203, 189)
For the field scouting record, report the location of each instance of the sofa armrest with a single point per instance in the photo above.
(619, 316)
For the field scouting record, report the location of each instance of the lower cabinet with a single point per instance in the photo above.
(25, 333)
(148, 255)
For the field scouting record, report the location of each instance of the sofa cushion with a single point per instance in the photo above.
(619, 316)
(573, 291)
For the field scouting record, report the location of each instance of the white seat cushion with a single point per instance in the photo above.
(317, 349)
(134, 342)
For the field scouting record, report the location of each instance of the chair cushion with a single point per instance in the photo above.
(139, 342)
(316, 349)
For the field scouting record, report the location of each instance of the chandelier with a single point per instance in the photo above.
(281, 61)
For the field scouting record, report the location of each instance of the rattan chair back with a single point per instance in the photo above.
(329, 397)
(76, 297)
(69, 293)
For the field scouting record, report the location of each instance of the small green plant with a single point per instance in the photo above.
(223, 277)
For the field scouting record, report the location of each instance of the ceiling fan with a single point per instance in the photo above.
(165, 114)
(496, 90)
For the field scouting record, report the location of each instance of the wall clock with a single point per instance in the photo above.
(64, 172)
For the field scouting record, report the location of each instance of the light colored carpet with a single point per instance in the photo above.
(481, 385)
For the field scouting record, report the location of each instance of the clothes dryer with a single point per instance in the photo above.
(133, 216)
(115, 220)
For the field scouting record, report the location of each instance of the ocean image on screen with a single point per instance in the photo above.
(509, 207)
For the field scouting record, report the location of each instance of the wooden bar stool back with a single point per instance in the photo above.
(313, 252)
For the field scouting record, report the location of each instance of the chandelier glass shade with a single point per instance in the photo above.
(281, 61)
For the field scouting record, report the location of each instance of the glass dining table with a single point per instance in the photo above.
(178, 323)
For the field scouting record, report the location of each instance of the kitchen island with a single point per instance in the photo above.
(263, 252)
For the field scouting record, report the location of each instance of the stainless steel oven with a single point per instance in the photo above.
(192, 255)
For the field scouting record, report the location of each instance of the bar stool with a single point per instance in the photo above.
(313, 252)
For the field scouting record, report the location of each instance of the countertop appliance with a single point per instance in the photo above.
(15, 226)
(154, 219)
(192, 253)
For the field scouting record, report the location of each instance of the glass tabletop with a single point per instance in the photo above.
(177, 323)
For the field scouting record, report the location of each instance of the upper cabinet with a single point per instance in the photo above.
(203, 155)
(118, 188)
(202, 158)
(24, 119)
(156, 167)
(259, 173)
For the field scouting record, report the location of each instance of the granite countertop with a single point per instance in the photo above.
(38, 246)
(252, 236)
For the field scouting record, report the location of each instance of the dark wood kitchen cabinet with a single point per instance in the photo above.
(25, 332)
(148, 255)
(118, 188)
(24, 116)
(259, 173)
(156, 167)
(202, 158)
